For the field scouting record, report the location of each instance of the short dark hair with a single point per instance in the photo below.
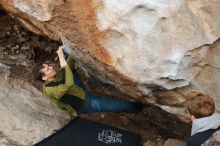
(39, 74)
(44, 56)
(200, 106)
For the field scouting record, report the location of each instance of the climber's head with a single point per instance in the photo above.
(200, 106)
(46, 72)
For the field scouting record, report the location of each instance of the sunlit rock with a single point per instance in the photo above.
(137, 46)
(26, 116)
(208, 80)
(41, 9)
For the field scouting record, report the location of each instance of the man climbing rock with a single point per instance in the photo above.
(59, 86)
(204, 121)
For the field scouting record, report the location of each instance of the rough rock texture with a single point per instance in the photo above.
(138, 47)
(174, 142)
(19, 49)
(208, 80)
(26, 116)
(214, 140)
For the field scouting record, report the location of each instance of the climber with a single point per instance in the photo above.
(60, 86)
(204, 121)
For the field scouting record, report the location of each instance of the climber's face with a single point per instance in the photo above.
(48, 71)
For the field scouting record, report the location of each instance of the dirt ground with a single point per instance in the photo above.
(22, 50)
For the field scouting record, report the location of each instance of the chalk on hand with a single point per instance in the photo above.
(66, 44)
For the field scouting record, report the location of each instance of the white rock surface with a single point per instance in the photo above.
(163, 43)
(40, 9)
(208, 80)
(136, 46)
(26, 116)
(150, 41)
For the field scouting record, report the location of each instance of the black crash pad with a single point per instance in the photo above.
(83, 132)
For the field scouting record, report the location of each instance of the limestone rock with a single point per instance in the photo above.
(149, 143)
(136, 47)
(26, 116)
(214, 140)
(41, 10)
(174, 142)
(208, 80)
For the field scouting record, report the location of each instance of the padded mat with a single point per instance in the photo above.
(83, 132)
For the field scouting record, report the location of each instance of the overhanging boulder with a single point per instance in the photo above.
(142, 48)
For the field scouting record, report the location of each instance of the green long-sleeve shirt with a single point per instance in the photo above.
(64, 92)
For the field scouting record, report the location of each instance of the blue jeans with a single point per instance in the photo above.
(106, 104)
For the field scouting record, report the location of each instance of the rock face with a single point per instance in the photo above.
(26, 116)
(214, 140)
(208, 79)
(154, 51)
(174, 142)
